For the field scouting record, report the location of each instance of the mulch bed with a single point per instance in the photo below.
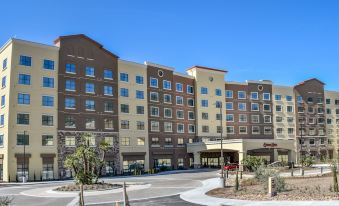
(93, 187)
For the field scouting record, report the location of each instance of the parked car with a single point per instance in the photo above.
(231, 166)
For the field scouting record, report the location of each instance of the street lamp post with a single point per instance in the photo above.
(24, 166)
(222, 161)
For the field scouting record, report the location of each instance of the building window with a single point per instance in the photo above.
(90, 123)
(47, 101)
(219, 129)
(108, 74)
(48, 64)
(124, 92)
(191, 128)
(229, 105)
(180, 114)
(217, 92)
(267, 130)
(205, 128)
(108, 90)
(229, 94)
(70, 68)
(203, 90)
(139, 79)
(155, 111)
(48, 82)
(2, 120)
(3, 101)
(167, 113)
(125, 141)
(191, 115)
(124, 77)
(190, 89)
(140, 141)
(289, 98)
(255, 130)
(218, 104)
(204, 116)
(90, 71)
(109, 141)
(254, 107)
(230, 129)
(242, 130)
(22, 139)
(155, 141)
(90, 105)
(124, 108)
(154, 96)
(267, 107)
(242, 118)
(277, 97)
(290, 131)
(91, 140)
(47, 120)
(22, 119)
(124, 124)
(278, 119)
(180, 141)
(190, 102)
(167, 85)
(140, 109)
(24, 79)
(140, 125)
(289, 108)
(290, 119)
(3, 82)
(278, 108)
(90, 88)
(279, 131)
(70, 85)
(241, 95)
(204, 103)
(4, 64)
(178, 87)
(179, 100)
(266, 96)
(168, 141)
(108, 123)
(328, 101)
(229, 118)
(154, 126)
(25, 61)
(1, 143)
(69, 122)
(69, 141)
(153, 82)
(255, 119)
(254, 95)
(242, 106)
(167, 98)
(168, 127)
(108, 106)
(69, 103)
(47, 140)
(139, 94)
(267, 119)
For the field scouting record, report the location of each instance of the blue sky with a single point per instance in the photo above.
(286, 41)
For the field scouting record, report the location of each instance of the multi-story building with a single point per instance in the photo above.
(150, 115)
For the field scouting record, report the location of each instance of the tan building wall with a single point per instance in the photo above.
(35, 130)
(332, 126)
(133, 151)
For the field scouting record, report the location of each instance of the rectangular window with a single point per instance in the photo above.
(255, 119)
(90, 71)
(47, 101)
(180, 114)
(167, 113)
(140, 109)
(203, 90)
(69, 103)
(204, 103)
(25, 60)
(108, 74)
(140, 125)
(48, 82)
(205, 128)
(124, 77)
(108, 124)
(90, 105)
(255, 130)
(155, 111)
(108, 90)
(167, 98)
(254, 107)
(242, 130)
(266, 96)
(254, 95)
(22, 139)
(140, 141)
(230, 129)
(267, 107)
(70, 68)
(139, 94)
(168, 127)
(90, 88)
(217, 92)
(70, 85)
(229, 94)
(48, 64)
(179, 100)
(124, 92)
(242, 118)
(3, 101)
(290, 131)
(90, 123)
(1, 143)
(229, 105)
(22, 119)
(69, 141)
(277, 97)
(191, 115)
(24, 79)
(267, 119)
(289, 98)
(241, 95)
(278, 119)
(168, 141)
(139, 79)
(47, 120)
(229, 118)
(155, 141)
(4, 64)
(190, 102)
(3, 82)
(153, 82)
(109, 141)
(69, 122)
(191, 128)
(242, 106)
(108, 106)
(154, 97)
(154, 126)
(328, 101)
(124, 124)
(289, 108)
(190, 89)
(178, 87)
(267, 130)
(204, 116)
(167, 85)
(124, 108)
(2, 120)
(278, 108)
(279, 130)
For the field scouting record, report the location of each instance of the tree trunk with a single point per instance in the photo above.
(81, 199)
(335, 179)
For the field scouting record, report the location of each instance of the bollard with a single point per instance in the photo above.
(241, 175)
(321, 170)
(226, 173)
(292, 173)
(302, 171)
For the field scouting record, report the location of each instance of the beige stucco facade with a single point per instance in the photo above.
(332, 116)
(35, 150)
(135, 136)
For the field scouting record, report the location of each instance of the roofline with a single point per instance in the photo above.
(307, 80)
(183, 75)
(207, 68)
(87, 38)
(158, 66)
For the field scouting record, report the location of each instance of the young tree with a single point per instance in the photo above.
(335, 179)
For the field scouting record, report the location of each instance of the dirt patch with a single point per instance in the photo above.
(93, 187)
(315, 188)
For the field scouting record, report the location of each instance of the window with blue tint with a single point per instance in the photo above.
(3, 100)
(48, 64)
(108, 74)
(90, 71)
(229, 94)
(24, 98)
(1, 140)
(70, 68)
(190, 89)
(167, 85)
(48, 82)
(69, 103)
(254, 95)
(25, 60)
(123, 92)
(2, 120)
(266, 96)
(203, 90)
(70, 85)
(229, 105)
(139, 79)
(90, 105)
(241, 95)
(204, 103)
(178, 87)
(289, 98)
(3, 82)
(108, 90)
(24, 79)
(218, 92)
(154, 82)
(47, 101)
(277, 97)
(123, 77)
(90, 88)
(139, 94)
(4, 64)
(218, 104)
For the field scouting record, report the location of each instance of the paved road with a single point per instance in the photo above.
(161, 190)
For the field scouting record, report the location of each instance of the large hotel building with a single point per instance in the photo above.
(148, 113)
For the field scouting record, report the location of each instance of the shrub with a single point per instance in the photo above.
(307, 161)
(4, 201)
(263, 173)
(252, 163)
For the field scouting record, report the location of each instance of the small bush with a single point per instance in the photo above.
(252, 163)
(307, 161)
(263, 173)
(4, 201)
